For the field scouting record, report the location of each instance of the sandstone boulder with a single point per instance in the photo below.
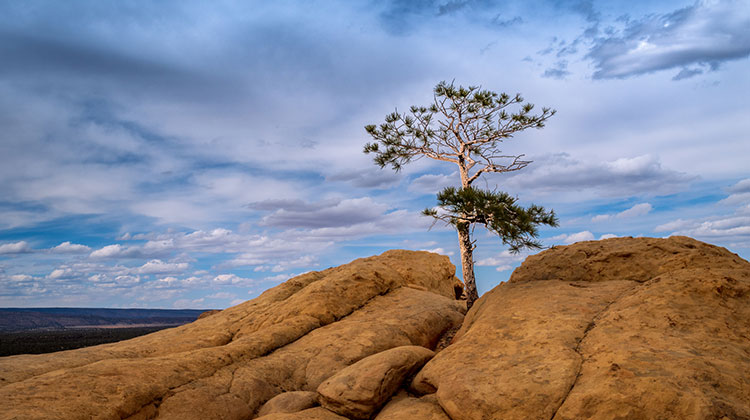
(289, 402)
(359, 390)
(404, 406)
(317, 413)
(622, 328)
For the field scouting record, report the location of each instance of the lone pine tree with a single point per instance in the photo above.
(465, 126)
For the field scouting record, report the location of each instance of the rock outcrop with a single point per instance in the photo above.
(229, 364)
(624, 328)
(617, 329)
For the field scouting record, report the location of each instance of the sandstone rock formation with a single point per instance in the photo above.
(617, 329)
(289, 402)
(357, 391)
(404, 406)
(624, 328)
(227, 365)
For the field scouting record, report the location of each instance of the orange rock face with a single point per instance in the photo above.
(617, 329)
(225, 366)
(624, 328)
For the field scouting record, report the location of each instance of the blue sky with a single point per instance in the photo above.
(193, 154)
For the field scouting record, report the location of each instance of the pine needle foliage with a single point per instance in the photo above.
(498, 212)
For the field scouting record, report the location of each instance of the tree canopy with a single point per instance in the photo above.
(466, 127)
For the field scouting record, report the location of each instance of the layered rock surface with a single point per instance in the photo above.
(227, 365)
(617, 329)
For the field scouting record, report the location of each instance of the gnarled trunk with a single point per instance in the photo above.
(467, 263)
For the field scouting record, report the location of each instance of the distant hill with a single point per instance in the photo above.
(21, 319)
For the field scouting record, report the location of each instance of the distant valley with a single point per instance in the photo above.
(44, 330)
(22, 319)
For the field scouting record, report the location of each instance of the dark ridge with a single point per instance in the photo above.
(21, 319)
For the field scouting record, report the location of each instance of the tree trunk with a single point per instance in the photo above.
(467, 263)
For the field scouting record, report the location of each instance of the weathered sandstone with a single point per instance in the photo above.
(357, 391)
(617, 329)
(318, 413)
(289, 402)
(403, 406)
(227, 365)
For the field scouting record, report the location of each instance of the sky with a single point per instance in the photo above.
(186, 154)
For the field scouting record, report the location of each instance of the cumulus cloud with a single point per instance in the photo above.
(694, 38)
(503, 261)
(573, 237)
(20, 247)
(233, 279)
(160, 267)
(115, 251)
(440, 251)
(61, 273)
(734, 228)
(70, 248)
(637, 210)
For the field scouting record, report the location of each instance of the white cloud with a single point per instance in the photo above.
(696, 38)
(221, 295)
(109, 251)
(277, 278)
(504, 260)
(637, 210)
(740, 187)
(608, 236)
(574, 237)
(433, 183)
(61, 273)
(305, 261)
(232, 279)
(160, 267)
(20, 247)
(21, 277)
(732, 229)
(69, 248)
(440, 251)
(621, 177)
(736, 198)
(674, 225)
